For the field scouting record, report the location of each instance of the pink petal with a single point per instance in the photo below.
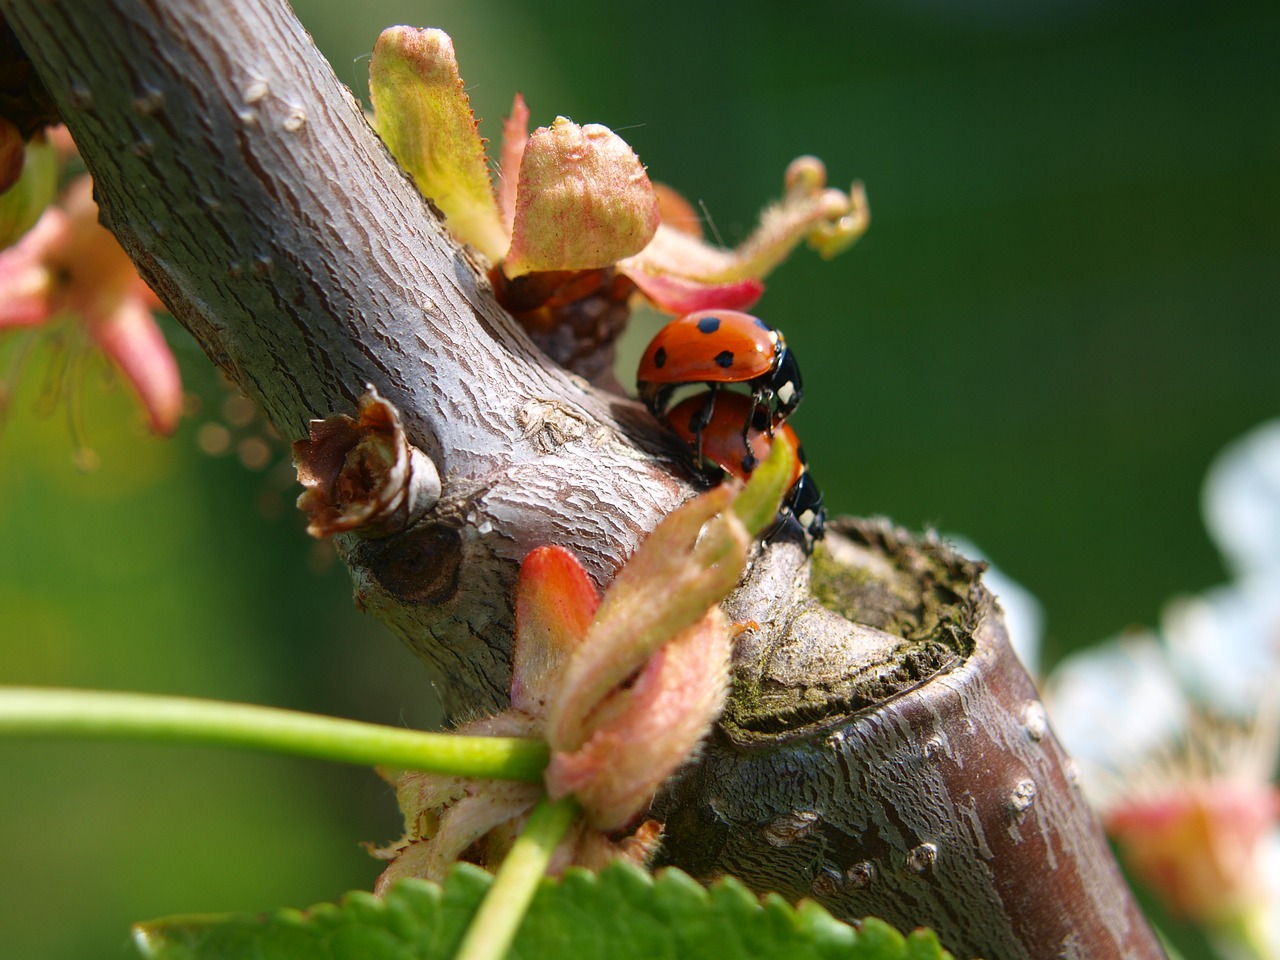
(1199, 848)
(679, 295)
(130, 336)
(26, 277)
(145, 295)
(98, 272)
(25, 288)
(515, 134)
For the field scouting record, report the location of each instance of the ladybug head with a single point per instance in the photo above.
(805, 503)
(784, 381)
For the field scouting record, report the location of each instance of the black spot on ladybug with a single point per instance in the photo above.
(724, 359)
(660, 358)
(749, 463)
(708, 324)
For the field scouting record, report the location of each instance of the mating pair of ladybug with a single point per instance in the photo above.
(732, 431)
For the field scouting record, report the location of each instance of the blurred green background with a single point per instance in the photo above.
(1065, 306)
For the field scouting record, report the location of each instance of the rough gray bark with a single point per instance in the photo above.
(908, 772)
(882, 751)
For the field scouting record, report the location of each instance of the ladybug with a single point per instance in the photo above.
(721, 444)
(717, 347)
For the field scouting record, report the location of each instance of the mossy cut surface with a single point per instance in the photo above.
(906, 609)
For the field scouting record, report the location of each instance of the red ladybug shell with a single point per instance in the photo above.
(710, 346)
(722, 437)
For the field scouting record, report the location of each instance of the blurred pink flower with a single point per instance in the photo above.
(1186, 793)
(68, 264)
(1199, 844)
(1177, 733)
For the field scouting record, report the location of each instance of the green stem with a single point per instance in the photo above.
(494, 926)
(50, 712)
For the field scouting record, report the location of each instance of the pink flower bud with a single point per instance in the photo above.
(1198, 848)
(583, 201)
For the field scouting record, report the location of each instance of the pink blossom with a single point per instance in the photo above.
(68, 264)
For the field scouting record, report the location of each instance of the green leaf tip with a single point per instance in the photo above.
(424, 117)
(757, 505)
(622, 913)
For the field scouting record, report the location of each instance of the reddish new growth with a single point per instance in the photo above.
(622, 688)
(575, 230)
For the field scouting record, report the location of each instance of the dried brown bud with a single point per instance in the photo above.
(362, 474)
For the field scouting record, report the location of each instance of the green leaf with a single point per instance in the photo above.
(424, 116)
(757, 505)
(621, 914)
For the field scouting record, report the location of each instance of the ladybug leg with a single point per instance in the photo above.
(703, 419)
(656, 396)
(786, 522)
(759, 420)
(759, 406)
(780, 523)
(767, 406)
